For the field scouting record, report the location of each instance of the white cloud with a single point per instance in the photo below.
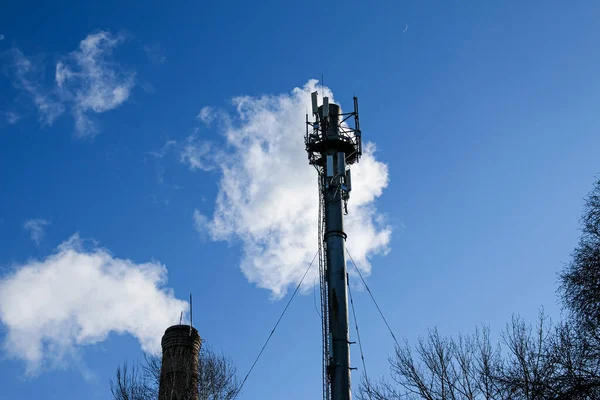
(91, 82)
(36, 228)
(86, 81)
(77, 297)
(268, 196)
(27, 77)
(163, 150)
(1, 37)
(12, 117)
(206, 114)
(155, 53)
(148, 87)
(197, 154)
(201, 223)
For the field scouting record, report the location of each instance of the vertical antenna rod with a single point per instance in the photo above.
(332, 145)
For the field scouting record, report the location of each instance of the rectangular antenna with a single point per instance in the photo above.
(356, 123)
(348, 181)
(315, 107)
(341, 163)
(329, 166)
(306, 125)
(325, 107)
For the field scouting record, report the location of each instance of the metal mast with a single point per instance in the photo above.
(332, 145)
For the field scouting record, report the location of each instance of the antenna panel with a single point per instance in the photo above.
(329, 167)
(348, 180)
(325, 107)
(315, 107)
(341, 163)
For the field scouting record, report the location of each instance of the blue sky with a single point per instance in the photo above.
(160, 158)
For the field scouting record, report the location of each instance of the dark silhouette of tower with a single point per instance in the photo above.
(179, 371)
(333, 146)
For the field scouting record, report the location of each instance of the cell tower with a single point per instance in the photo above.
(333, 146)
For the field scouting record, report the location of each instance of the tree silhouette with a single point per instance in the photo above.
(216, 378)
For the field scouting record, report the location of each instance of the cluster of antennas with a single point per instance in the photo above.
(330, 130)
(337, 177)
(332, 144)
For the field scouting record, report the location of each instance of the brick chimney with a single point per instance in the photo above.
(179, 371)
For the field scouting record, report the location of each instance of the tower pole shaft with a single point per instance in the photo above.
(335, 238)
(331, 144)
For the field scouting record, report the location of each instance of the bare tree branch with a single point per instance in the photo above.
(216, 378)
